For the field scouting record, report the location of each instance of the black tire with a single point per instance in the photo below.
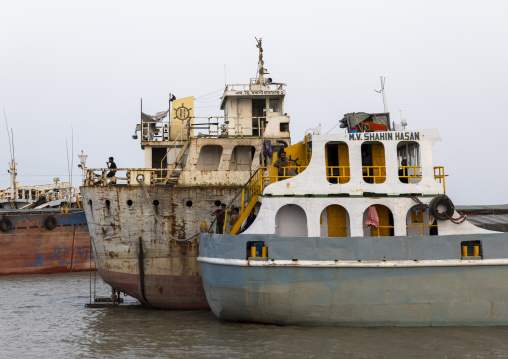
(50, 222)
(442, 200)
(5, 224)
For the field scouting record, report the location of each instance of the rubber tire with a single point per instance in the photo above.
(441, 200)
(50, 222)
(5, 224)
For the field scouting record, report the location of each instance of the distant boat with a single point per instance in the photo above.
(43, 229)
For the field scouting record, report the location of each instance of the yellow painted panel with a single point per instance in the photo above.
(336, 217)
(344, 161)
(297, 151)
(183, 110)
(378, 159)
(384, 220)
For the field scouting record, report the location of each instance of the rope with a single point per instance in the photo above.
(142, 182)
(459, 220)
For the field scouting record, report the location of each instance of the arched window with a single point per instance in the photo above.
(241, 158)
(209, 158)
(408, 158)
(373, 162)
(334, 222)
(291, 221)
(420, 223)
(384, 224)
(337, 162)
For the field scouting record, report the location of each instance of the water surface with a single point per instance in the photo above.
(44, 316)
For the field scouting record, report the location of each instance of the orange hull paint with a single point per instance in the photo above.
(29, 247)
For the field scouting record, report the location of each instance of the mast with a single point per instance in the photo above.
(12, 164)
(82, 165)
(383, 92)
(261, 69)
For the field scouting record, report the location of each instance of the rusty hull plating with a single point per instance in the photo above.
(30, 247)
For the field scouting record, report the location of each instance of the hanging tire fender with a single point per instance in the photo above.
(445, 201)
(5, 224)
(50, 222)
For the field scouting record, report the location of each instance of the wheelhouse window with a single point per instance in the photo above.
(337, 162)
(409, 161)
(209, 158)
(274, 105)
(373, 162)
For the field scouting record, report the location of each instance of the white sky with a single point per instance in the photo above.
(86, 64)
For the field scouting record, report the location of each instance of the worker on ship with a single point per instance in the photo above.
(112, 166)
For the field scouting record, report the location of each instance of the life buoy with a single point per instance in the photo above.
(50, 222)
(5, 224)
(445, 201)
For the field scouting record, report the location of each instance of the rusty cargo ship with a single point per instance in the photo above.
(145, 222)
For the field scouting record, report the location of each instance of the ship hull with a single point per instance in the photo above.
(29, 247)
(150, 251)
(401, 281)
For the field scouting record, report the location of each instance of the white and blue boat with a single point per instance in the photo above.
(359, 232)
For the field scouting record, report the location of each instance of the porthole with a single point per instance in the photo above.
(108, 203)
(129, 202)
(188, 203)
(90, 202)
(217, 203)
(155, 203)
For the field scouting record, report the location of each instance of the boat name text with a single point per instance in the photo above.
(268, 92)
(385, 136)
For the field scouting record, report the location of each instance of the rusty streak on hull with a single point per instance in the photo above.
(31, 248)
(171, 273)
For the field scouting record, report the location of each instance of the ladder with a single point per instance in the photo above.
(173, 172)
(254, 199)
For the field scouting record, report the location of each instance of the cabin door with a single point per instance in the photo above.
(378, 159)
(336, 218)
(384, 221)
(343, 161)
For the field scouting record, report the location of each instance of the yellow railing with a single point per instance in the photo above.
(268, 175)
(339, 173)
(417, 170)
(373, 230)
(422, 226)
(374, 174)
(439, 175)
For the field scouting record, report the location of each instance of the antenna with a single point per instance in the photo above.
(402, 121)
(225, 82)
(382, 91)
(12, 164)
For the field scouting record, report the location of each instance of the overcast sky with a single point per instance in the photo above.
(83, 66)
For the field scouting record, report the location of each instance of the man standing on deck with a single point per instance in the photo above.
(220, 215)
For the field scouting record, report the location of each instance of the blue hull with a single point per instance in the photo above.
(400, 281)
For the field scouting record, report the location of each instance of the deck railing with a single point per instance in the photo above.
(422, 226)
